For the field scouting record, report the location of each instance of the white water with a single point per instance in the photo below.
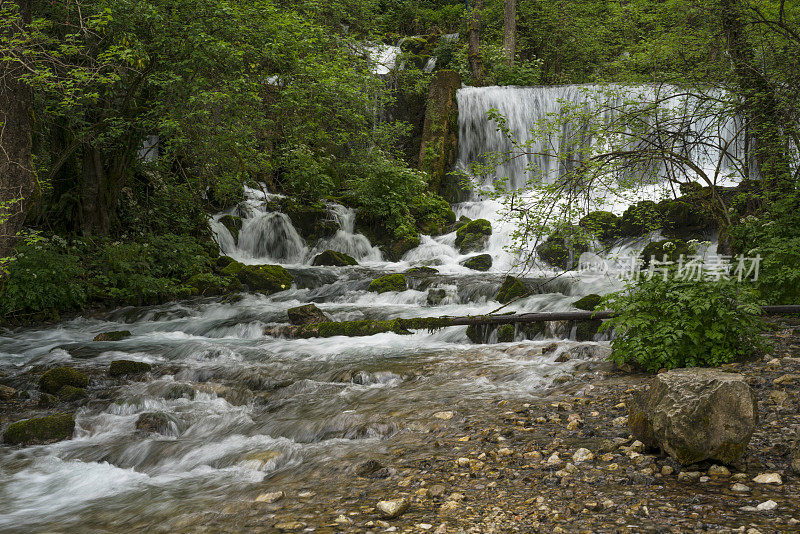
(315, 407)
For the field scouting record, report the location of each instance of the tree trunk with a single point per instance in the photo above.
(510, 31)
(760, 103)
(474, 51)
(103, 178)
(17, 179)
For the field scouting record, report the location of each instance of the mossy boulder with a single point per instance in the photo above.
(308, 314)
(72, 394)
(40, 430)
(672, 249)
(482, 262)
(473, 236)
(311, 220)
(397, 249)
(345, 328)
(586, 330)
(222, 262)
(563, 248)
(506, 333)
(511, 289)
(422, 269)
(588, 303)
(53, 380)
(118, 335)
(128, 367)
(389, 282)
(333, 258)
(265, 279)
(232, 268)
(602, 224)
(210, 285)
(436, 296)
(432, 214)
(685, 220)
(640, 219)
(233, 224)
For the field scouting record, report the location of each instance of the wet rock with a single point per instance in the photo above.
(233, 225)
(506, 333)
(449, 508)
(289, 526)
(444, 416)
(308, 314)
(53, 380)
(554, 459)
(72, 394)
(768, 478)
(270, 497)
(641, 218)
(331, 258)
(266, 279)
(695, 414)
(436, 296)
(436, 491)
(118, 335)
(422, 269)
(602, 224)
(128, 367)
(47, 400)
(332, 329)
(482, 262)
(563, 247)
(263, 460)
(473, 236)
(582, 455)
(588, 303)
(154, 422)
(767, 506)
(392, 509)
(372, 469)
(40, 430)
(389, 282)
(7, 393)
(719, 471)
(511, 289)
(740, 488)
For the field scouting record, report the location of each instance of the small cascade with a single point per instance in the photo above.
(346, 239)
(271, 236)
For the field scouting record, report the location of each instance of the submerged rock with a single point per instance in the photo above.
(155, 422)
(511, 289)
(40, 430)
(53, 380)
(308, 314)
(112, 336)
(436, 296)
(390, 282)
(128, 367)
(72, 394)
(482, 262)
(563, 247)
(422, 269)
(332, 258)
(7, 393)
(696, 414)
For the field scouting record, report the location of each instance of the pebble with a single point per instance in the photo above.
(767, 506)
(768, 478)
(582, 455)
(424, 526)
(449, 507)
(7, 393)
(667, 470)
(533, 455)
(688, 475)
(271, 497)
(391, 509)
(740, 488)
(554, 459)
(436, 491)
(636, 446)
(306, 494)
(620, 421)
(718, 471)
(505, 451)
(444, 416)
(288, 526)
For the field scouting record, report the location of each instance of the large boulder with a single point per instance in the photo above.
(311, 220)
(308, 314)
(696, 414)
(473, 236)
(641, 218)
(333, 258)
(389, 282)
(563, 247)
(511, 289)
(481, 262)
(128, 367)
(602, 224)
(40, 430)
(265, 279)
(53, 380)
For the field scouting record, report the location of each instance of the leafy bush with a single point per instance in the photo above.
(676, 323)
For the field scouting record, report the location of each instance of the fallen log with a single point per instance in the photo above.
(404, 326)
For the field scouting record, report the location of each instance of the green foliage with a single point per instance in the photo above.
(672, 249)
(676, 323)
(604, 225)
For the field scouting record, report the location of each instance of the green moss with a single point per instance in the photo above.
(353, 328)
(232, 268)
(685, 220)
(422, 269)
(128, 367)
(511, 289)
(40, 430)
(482, 262)
(671, 248)
(311, 220)
(563, 247)
(223, 261)
(334, 259)
(233, 224)
(53, 380)
(113, 336)
(506, 333)
(641, 218)
(400, 246)
(586, 330)
(426, 323)
(474, 334)
(588, 303)
(71, 394)
(265, 279)
(532, 330)
(208, 284)
(432, 214)
(602, 224)
(389, 282)
(473, 235)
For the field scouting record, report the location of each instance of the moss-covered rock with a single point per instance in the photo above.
(602, 224)
(588, 303)
(333, 258)
(53, 380)
(222, 262)
(308, 314)
(482, 262)
(265, 279)
(128, 367)
(436, 296)
(586, 330)
(473, 236)
(389, 282)
(118, 335)
(672, 249)
(506, 333)
(640, 219)
(210, 285)
(232, 268)
(40, 430)
(439, 146)
(233, 225)
(422, 269)
(72, 394)
(563, 248)
(398, 247)
(311, 220)
(685, 220)
(432, 214)
(511, 289)
(345, 328)
(47, 400)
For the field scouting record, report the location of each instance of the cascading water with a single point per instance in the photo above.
(243, 413)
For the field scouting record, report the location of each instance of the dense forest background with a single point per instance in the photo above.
(283, 95)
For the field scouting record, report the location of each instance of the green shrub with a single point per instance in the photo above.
(676, 323)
